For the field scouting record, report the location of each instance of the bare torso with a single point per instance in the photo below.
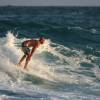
(31, 43)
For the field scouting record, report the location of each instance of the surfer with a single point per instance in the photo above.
(29, 52)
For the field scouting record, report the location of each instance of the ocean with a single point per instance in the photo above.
(65, 67)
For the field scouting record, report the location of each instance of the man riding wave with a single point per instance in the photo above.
(29, 52)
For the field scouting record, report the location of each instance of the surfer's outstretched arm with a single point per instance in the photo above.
(32, 51)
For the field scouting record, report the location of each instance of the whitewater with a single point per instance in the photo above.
(53, 75)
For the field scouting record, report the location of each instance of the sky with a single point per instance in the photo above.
(50, 2)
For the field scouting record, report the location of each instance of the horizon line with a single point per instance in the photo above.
(47, 6)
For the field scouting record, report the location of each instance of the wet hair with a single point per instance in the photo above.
(42, 39)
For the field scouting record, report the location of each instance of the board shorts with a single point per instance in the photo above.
(25, 49)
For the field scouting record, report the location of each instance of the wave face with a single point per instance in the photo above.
(66, 67)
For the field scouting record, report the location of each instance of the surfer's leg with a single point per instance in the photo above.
(26, 63)
(22, 60)
(27, 58)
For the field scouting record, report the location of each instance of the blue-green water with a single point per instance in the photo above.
(66, 67)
